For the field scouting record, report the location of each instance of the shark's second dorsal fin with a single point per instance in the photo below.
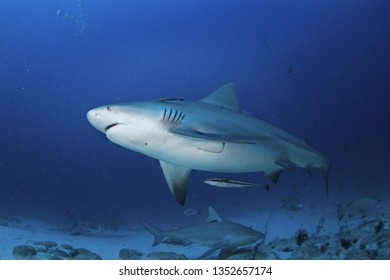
(213, 216)
(224, 97)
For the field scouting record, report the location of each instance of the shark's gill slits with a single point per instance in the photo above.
(110, 126)
(178, 117)
(174, 116)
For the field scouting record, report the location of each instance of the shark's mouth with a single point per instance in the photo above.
(110, 126)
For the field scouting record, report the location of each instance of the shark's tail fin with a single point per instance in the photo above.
(158, 233)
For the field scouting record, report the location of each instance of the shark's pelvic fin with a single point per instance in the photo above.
(224, 97)
(213, 216)
(177, 179)
(274, 175)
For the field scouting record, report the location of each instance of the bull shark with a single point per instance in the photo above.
(215, 233)
(211, 134)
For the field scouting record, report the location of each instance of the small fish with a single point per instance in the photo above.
(229, 183)
(192, 212)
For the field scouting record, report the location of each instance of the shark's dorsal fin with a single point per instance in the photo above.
(213, 216)
(177, 179)
(224, 97)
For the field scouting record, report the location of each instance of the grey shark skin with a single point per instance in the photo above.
(208, 135)
(215, 233)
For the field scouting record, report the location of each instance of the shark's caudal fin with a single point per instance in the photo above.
(224, 96)
(158, 233)
(177, 179)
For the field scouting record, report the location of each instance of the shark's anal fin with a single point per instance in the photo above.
(177, 179)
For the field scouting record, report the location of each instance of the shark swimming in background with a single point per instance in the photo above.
(215, 233)
(211, 134)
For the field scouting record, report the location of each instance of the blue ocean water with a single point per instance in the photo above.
(317, 69)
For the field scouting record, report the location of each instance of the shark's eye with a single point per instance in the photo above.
(108, 108)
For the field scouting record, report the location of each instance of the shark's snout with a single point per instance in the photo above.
(97, 119)
(91, 115)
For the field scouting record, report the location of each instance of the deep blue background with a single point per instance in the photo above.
(337, 96)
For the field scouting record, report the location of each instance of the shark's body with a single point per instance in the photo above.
(215, 233)
(209, 135)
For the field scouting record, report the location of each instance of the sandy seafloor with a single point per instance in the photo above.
(364, 234)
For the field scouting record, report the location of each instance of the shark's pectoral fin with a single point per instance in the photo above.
(177, 179)
(191, 132)
(216, 247)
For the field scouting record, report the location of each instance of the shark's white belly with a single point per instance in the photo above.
(213, 156)
(220, 157)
